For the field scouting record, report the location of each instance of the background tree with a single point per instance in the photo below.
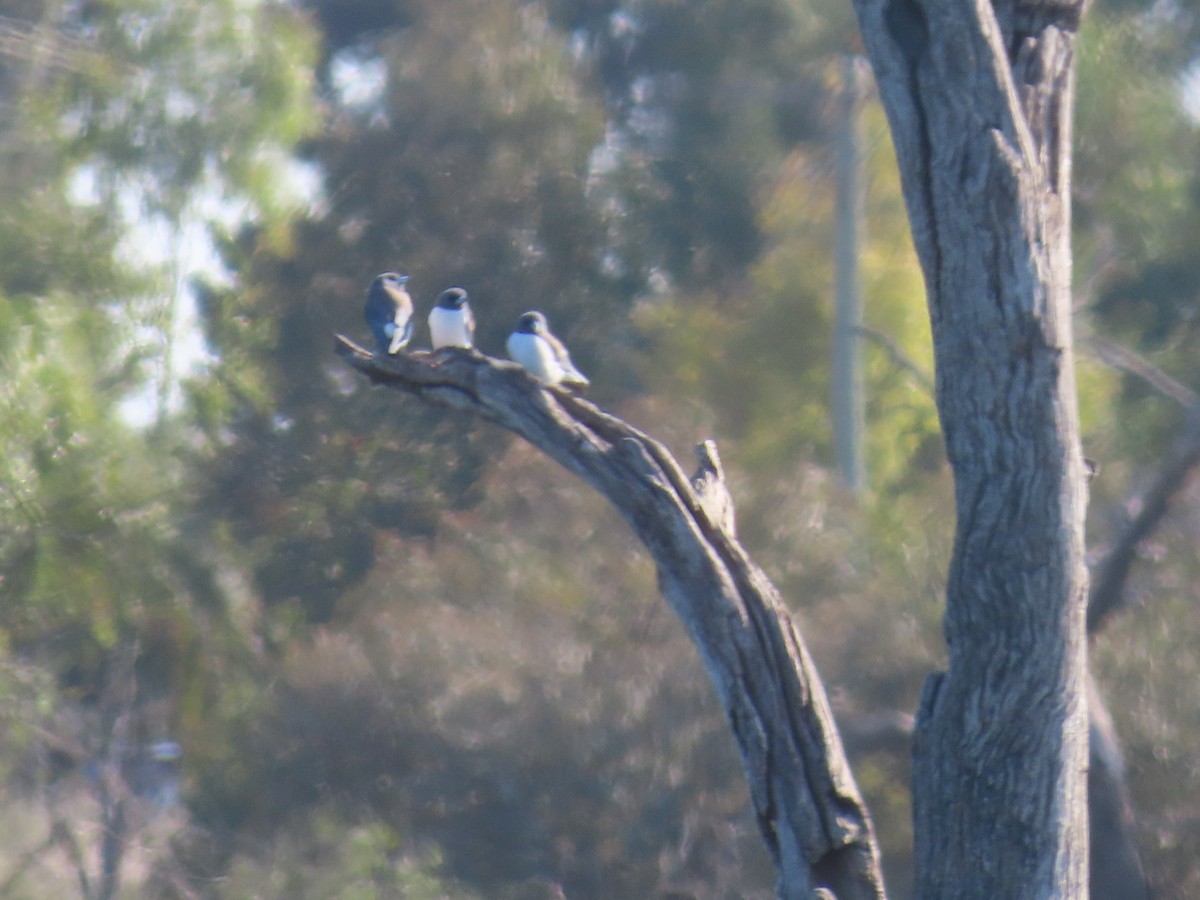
(108, 124)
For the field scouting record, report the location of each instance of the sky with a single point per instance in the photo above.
(182, 255)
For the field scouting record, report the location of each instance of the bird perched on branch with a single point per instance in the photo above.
(542, 354)
(451, 323)
(389, 312)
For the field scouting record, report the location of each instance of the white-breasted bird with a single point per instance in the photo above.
(389, 312)
(542, 354)
(451, 323)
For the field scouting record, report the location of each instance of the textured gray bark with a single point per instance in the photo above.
(979, 98)
(809, 811)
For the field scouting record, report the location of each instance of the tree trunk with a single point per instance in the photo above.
(809, 811)
(979, 98)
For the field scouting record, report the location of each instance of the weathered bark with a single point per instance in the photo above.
(809, 811)
(979, 98)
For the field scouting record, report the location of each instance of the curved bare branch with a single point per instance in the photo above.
(809, 810)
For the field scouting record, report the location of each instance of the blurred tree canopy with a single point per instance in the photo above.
(402, 656)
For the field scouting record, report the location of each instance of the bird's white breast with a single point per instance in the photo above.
(448, 328)
(536, 356)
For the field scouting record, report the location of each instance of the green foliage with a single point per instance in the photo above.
(1136, 235)
(1142, 660)
(1136, 218)
(1134, 153)
(189, 94)
(471, 164)
(529, 722)
(95, 557)
(761, 356)
(704, 100)
(332, 860)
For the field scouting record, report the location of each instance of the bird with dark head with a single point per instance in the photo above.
(541, 354)
(451, 323)
(389, 312)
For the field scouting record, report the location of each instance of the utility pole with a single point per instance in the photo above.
(849, 418)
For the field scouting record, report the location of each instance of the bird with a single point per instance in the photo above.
(542, 354)
(451, 323)
(389, 312)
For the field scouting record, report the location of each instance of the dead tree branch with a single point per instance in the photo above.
(899, 358)
(1118, 356)
(1108, 587)
(1107, 593)
(809, 810)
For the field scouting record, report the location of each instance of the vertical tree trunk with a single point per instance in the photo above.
(979, 99)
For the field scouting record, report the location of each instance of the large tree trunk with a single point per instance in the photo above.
(979, 99)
